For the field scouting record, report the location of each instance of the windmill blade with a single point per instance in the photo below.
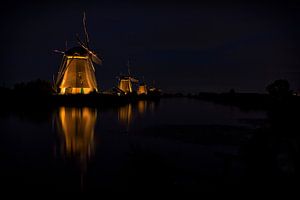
(128, 67)
(92, 65)
(54, 86)
(143, 80)
(66, 45)
(79, 40)
(94, 57)
(134, 80)
(61, 67)
(87, 39)
(58, 51)
(53, 79)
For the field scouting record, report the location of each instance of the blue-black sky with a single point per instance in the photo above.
(183, 46)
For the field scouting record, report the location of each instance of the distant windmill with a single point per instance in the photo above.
(126, 81)
(76, 74)
(142, 90)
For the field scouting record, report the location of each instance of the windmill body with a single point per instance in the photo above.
(125, 84)
(142, 90)
(77, 74)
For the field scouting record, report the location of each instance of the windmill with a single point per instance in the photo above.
(76, 74)
(142, 89)
(126, 82)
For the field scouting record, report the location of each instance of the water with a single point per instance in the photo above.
(168, 144)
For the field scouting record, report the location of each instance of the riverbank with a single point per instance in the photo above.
(250, 101)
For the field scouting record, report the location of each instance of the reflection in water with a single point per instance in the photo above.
(125, 114)
(163, 148)
(76, 126)
(142, 106)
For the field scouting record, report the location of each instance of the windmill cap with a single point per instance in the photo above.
(76, 51)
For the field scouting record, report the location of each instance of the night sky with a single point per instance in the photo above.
(183, 46)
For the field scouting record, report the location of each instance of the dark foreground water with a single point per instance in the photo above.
(172, 144)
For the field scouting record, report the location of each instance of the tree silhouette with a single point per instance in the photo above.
(36, 87)
(279, 89)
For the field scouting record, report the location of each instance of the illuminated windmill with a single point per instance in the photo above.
(126, 82)
(142, 90)
(76, 74)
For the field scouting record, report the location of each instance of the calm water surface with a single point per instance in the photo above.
(149, 145)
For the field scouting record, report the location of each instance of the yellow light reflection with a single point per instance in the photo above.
(142, 106)
(76, 126)
(125, 114)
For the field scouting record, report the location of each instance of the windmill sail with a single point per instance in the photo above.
(87, 39)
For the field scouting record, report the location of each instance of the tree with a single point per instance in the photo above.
(36, 87)
(279, 89)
